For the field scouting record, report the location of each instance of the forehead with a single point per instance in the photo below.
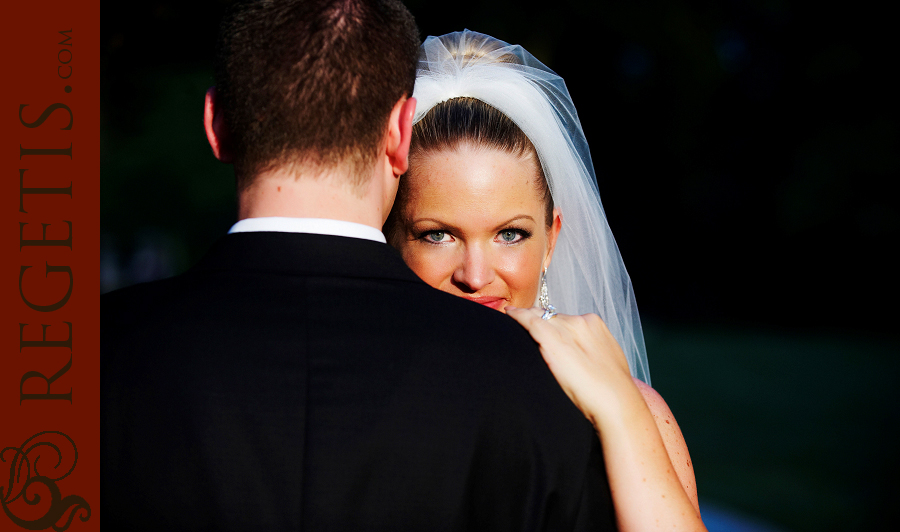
(473, 180)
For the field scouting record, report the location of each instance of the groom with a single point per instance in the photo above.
(301, 377)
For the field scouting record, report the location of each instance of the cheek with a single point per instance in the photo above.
(433, 268)
(522, 273)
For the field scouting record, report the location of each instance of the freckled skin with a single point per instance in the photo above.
(479, 203)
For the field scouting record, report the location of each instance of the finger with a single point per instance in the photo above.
(527, 317)
(524, 314)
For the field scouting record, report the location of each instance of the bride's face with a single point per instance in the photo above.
(474, 225)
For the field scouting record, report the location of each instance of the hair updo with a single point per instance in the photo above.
(461, 121)
(467, 121)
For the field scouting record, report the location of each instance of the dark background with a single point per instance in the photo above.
(744, 151)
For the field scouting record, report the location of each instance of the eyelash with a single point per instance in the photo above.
(424, 234)
(522, 233)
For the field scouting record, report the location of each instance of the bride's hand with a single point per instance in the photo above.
(583, 356)
(647, 460)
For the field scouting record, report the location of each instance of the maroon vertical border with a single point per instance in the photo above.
(49, 270)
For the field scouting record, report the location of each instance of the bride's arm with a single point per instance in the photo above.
(588, 363)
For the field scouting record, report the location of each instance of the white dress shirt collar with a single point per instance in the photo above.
(317, 226)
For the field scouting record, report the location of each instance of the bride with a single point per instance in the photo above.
(501, 206)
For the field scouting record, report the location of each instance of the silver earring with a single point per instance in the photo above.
(549, 310)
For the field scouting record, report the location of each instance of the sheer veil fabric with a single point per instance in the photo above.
(587, 273)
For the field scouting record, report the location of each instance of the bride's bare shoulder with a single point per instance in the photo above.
(655, 402)
(672, 438)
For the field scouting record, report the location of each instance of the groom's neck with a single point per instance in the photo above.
(326, 194)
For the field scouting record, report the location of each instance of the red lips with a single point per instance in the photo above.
(495, 303)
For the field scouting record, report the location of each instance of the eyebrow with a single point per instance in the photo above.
(434, 221)
(513, 219)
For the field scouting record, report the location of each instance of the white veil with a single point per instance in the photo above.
(587, 273)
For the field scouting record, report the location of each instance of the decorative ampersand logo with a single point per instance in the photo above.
(34, 469)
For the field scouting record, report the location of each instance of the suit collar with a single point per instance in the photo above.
(306, 254)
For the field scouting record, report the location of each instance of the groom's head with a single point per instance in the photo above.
(311, 83)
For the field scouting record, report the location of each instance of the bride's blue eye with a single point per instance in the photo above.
(512, 236)
(436, 237)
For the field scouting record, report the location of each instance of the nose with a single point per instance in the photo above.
(475, 271)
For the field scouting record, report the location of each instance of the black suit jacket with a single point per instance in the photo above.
(308, 382)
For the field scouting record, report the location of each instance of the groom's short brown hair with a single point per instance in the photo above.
(312, 82)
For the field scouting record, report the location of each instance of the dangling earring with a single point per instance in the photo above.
(549, 310)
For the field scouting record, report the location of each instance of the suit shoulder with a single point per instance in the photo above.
(139, 299)
(477, 327)
(482, 346)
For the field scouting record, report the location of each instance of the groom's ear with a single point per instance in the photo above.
(400, 134)
(216, 131)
